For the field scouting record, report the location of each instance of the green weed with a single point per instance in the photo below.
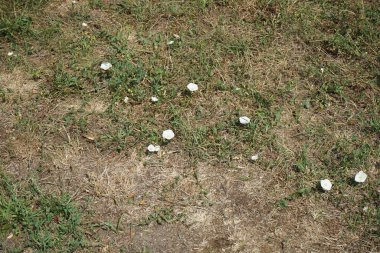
(44, 221)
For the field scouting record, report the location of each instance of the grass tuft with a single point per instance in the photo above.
(39, 221)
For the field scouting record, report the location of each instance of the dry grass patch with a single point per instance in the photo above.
(305, 73)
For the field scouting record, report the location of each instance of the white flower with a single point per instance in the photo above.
(360, 177)
(244, 120)
(153, 149)
(168, 134)
(171, 42)
(322, 70)
(105, 65)
(192, 87)
(74, 1)
(84, 24)
(326, 185)
(10, 53)
(126, 99)
(154, 99)
(176, 36)
(254, 157)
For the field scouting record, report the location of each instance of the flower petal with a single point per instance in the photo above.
(360, 177)
(244, 120)
(326, 185)
(192, 87)
(254, 157)
(168, 134)
(105, 65)
(154, 149)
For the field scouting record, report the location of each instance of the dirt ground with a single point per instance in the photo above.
(192, 197)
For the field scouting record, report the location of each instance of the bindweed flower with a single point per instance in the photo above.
(170, 42)
(360, 177)
(254, 157)
(84, 24)
(154, 149)
(126, 99)
(326, 185)
(10, 53)
(168, 134)
(244, 120)
(192, 87)
(105, 65)
(154, 99)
